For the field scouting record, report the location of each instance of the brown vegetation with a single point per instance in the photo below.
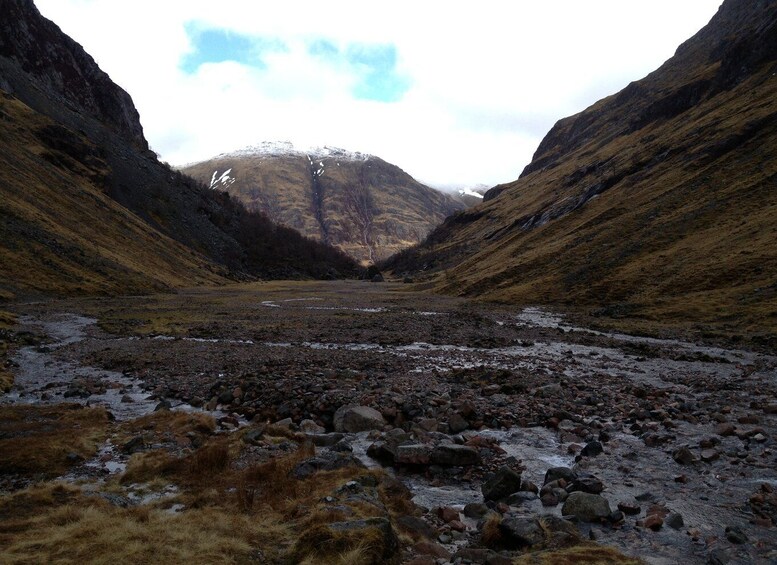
(45, 441)
(653, 208)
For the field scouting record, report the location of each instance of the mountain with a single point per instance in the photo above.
(87, 207)
(359, 203)
(657, 203)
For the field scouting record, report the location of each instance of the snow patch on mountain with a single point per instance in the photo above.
(470, 192)
(222, 181)
(286, 148)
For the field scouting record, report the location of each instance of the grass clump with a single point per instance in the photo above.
(587, 553)
(45, 441)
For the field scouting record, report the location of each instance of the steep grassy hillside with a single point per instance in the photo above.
(88, 208)
(364, 206)
(657, 204)
(62, 233)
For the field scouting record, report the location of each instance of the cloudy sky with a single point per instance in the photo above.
(457, 93)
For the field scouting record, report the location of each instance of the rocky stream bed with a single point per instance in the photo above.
(662, 448)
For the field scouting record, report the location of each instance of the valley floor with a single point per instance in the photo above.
(206, 422)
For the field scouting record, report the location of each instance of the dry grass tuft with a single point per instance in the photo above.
(93, 531)
(209, 460)
(143, 467)
(490, 535)
(45, 441)
(586, 554)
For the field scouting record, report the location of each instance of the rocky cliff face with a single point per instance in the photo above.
(39, 62)
(656, 202)
(359, 203)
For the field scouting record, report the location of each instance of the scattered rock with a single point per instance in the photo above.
(556, 473)
(735, 535)
(521, 532)
(415, 525)
(475, 510)
(353, 419)
(674, 521)
(685, 456)
(653, 522)
(592, 449)
(629, 508)
(447, 514)
(413, 454)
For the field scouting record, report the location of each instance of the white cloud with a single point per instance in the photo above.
(487, 79)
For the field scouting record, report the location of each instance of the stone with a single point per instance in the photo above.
(452, 455)
(353, 419)
(725, 429)
(163, 405)
(475, 510)
(592, 449)
(586, 507)
(327, 461)
(310, 427)
(428, 424)
(521, 532)
(378, 530)
(653, 522)
(432, 549)
(518, 498)
(589, 484)
(556, 473)
(735, 535)
(413, 454)
(685, 456)
(457, 526)
(718, 557)
(415, 525)
(629, 508)
(674, 521)
(381, 451)
(136, 444)
(456, 423)
(549, 499)
(342, 446)
(325, 440)
(501, 484)
(709, 455)
(447, 514)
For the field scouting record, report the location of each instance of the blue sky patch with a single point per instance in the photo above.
(218, 46)
(374, 64)
(377, 66)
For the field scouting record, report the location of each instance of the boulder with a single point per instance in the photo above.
(452, 455)
(685, 456)
(456, 423)
(413, 454)
(556, 473)
(586, 507)
(501, 484)
(352, 419)
(521, 532)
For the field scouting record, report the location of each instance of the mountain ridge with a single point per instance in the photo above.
(359, 203)
(655, 203)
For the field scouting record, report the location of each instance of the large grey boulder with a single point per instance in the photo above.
(586, 507)
(352, 419)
